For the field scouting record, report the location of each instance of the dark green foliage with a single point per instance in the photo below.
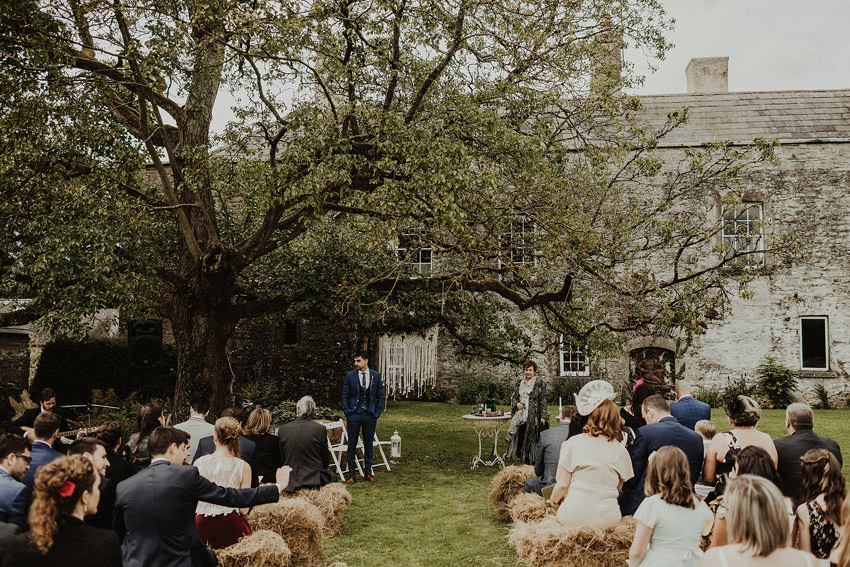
(284, 412)
(739, 386)
(565, 387)
(74, 369)
(822, 395)
(777, 382)
(475, 389)
(710, 396)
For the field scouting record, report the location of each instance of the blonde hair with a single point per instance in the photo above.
(227, 432)
(756, 517)
(49, 508)
(604, 421)
(706, 428)
(669, 475)
(258, 423)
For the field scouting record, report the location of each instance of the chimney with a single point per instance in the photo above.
(606, 58)
(708, 75)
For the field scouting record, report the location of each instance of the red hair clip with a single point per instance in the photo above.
(67, 489)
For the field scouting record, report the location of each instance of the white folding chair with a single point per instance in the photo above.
(376, 448)
(339, 450)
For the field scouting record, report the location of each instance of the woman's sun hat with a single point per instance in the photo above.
(592, 395)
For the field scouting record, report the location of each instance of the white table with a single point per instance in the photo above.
(487, 427)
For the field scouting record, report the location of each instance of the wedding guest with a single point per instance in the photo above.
(824, 490)
(593, 465)
(66, 491)
(110, 433)
(670, 520)
(529, 415)
(136, 450)
(95, 451)
(632, 412)
(197, 425)
(14, 463)
(221, 526)
(266, 459)
(304, 447)
(758, 528)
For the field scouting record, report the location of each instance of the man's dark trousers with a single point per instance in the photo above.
(367, 422)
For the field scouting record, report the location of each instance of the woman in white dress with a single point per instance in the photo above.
(593, 465)
(220, 526)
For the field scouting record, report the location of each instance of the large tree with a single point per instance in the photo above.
(470, 127)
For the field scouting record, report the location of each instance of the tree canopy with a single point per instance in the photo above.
(495, 134)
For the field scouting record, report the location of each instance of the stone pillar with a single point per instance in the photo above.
(708, 75)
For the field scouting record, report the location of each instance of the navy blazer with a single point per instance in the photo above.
(688, 410)
(790, 449)
(42, 453)
(351, 393)
(649, 439)
(14, 500)
(155, 513)
(206, 446)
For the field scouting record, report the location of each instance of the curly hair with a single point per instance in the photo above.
(49, 508)
(604, 420)
(669, 475)
(227, 432)
(822, 475)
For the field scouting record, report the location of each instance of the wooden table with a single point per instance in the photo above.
(487, 427)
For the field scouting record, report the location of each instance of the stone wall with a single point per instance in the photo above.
(14, 361)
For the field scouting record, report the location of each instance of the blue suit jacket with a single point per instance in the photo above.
(14, 500)
(155, 513)
(649, 439)
(351, 393)
(42, 454)
(689, 411)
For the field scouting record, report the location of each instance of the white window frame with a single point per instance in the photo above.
(515, 241)
(570, 355)
(825, 319)
(414, 256)
(743, 231)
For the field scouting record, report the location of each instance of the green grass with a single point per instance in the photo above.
(432, 509)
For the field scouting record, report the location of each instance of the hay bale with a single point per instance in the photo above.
(549, 544)
(263, 548)
(299, 523)
(505, 486)
(528, 508)
(332, 500)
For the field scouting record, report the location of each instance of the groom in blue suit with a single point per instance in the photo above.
(362, 404)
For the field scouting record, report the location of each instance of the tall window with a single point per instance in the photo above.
(574, 360)
(517, 245)
(418, 254)
(743, 234)
(814, 343)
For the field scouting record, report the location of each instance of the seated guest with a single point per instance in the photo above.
(136, 450)
(687, 409)
(110, 433)
(95, 451)
(26, 422)
(758, 528)
(222, 526)
(754, 461)
(197, 425)
(45, 432)
(799, 420)
(206, 446)
(631, 413)
(266, 458)
(707, 430)
(66, 491)
(304, 447)
(548, 451)
(671, 518)
(744, 414)
(840, 556)
(14, 463)
(661, 429)
(593, 465)
(824, 490)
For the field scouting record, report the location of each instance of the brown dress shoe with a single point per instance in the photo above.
(350, 480)
(370, 478)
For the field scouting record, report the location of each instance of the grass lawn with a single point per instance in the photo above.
(431, 509)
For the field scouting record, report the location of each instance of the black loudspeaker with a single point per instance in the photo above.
(144, 341)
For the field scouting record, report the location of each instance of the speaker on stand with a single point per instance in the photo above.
(144, 342)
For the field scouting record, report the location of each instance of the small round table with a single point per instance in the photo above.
(487, 427)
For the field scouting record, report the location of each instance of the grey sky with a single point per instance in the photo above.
(771, 44)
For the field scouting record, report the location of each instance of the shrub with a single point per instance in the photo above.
(710, 396)
(777, 382)
(822, 395)
(565, 387)
(476, 390)
(736, 387)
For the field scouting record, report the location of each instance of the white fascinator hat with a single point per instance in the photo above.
(592, 395)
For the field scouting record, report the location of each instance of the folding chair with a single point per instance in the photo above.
(339, 450)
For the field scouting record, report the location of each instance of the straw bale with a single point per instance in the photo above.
(332, 500)
(528, 508)
(505, 486)
(299, 523)
(263, 548)
(547, 543)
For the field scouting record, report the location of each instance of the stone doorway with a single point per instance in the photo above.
(655, 365)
